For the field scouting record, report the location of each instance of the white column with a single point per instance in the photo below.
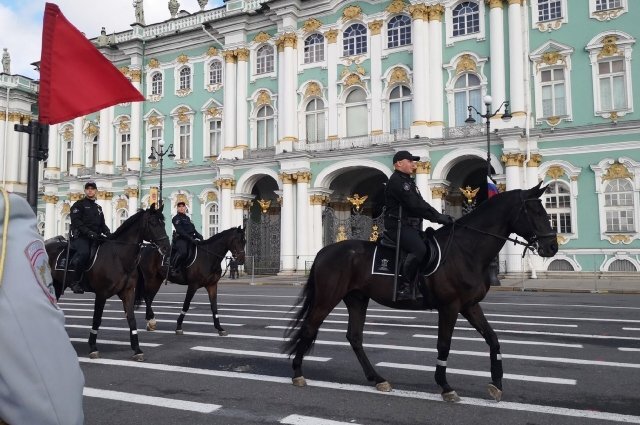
(23, 158)
(229, 123)
(516, 66)
(290, 42)
(287, 227)
(241, 107)
(104, 198)
(496, 52)
(105, 165)
(332, 83)
(302, 216)
(436, 82)
(423, 171)
(437, 193)
(51, 200)
(4, 124)
(513, 163)
(52, 171)
(226, 185)
(317, 201)
(12, 160)
(136, 118)
(376, 77)
(78, 147)
(420, 112)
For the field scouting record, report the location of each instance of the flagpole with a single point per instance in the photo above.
(38, 151)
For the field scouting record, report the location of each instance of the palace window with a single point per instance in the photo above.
(314, 48)
(66, 225)
(184, 134)
(618, 205)
(466, 18)
(314, 115)
(466, 91)
(156, 136)
(215, 137)
(554, 96)
(265, 127)
(612, 84)
(399, 31)
(185, 78)
(156, 84)
(357, 113)
(125, 148)
(121, 216)
(94, 152)
(400, 108)
(354, 40)
(264, 59)
(212, 220)
(215, 72)
(602, 5)
(557, 201)
(549, 10)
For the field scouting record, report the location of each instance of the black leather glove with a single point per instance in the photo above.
(92, 235)
(445, 219)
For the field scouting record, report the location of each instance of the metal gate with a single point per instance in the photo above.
(263, 245)
(356, 226)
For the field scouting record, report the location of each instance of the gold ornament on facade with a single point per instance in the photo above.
(302, 176)
(131, 192)
(469, 193)
(435, 12)
(423, 167)
(264, 205)
(66, 207)
(617, 171)
(513, 159)
(419, 11)
(229, 56)
(331, 36)
(607, 15)
(124, 70)
(154, 121)
(182, 59)
(3, 115)
(311, 25)
(153, 63)
(398, 75)
(318, 199)
(182, 114)
(211, 197)
(15, 117)
(136, 75)
(551, 58)
(91, 131)
(438, 192)
(122, 204)
(555, 172)
(553, 121)
(356, 201)
(535, 160)
(289, 40)
(374, 233)
(494, 3)
(123, 125)
(212, 51)
(50, 199)
(396, 6)
(352, 79)
(264, 98)
(616, 239)
(375, 27)
(561, 240)
(613, 116)
(214, 112)
(313, 90)
(286, 178)
(242, 54)
(261, 37)
(516, 2)
(352, 12)
(225, 183)
(501, 187)
(609, 47)
(181, 197)
(466, 63)
(342, 234)
(67, 134)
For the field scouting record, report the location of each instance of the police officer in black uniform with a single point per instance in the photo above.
(187, 233)
(402, 191)
(87, 227)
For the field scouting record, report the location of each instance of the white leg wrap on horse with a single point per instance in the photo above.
(441, 363)
(499, 357)
(184, 313)
(215, 316)
(134, 332)
(94, 331)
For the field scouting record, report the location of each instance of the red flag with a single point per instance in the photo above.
(75, 78)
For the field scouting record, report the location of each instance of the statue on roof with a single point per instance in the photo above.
(6, 61)
(174, 6)
(139, 11)
(202, 4)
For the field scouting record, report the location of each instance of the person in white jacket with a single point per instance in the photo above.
(40, 378)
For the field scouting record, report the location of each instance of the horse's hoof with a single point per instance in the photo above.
(179, 332)
(223, 333)
(138, 357)
(299, 381)
(152, 325)
(494, 392)
(383, 386)
(451, 396)
(94, 355)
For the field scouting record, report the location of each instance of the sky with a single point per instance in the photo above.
(21, 23)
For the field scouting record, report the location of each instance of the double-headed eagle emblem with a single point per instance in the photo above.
(357, 201)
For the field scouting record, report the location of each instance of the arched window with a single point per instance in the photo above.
(354, 40)
(66, 225)
(156, 84)
(399, 31)
(215, 72)
(618, 206)
(621, 265)
(212, 220)
(94, 151)
(121, 216)
(560, 266)
(466, 92)
(125, 148)
(400, 108)
(215, 137)
(466, 18)
(357, 113)
(314, 114)
(184, 132)
(557, 202)
(314, 48)
(185, 78)
(265, 127)
(264, 59)
(612, 84)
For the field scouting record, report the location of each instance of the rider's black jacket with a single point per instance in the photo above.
(86, 216)
(184, 227)
(402, 190)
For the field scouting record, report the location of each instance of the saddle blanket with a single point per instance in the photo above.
(383, 261)
(61, 259)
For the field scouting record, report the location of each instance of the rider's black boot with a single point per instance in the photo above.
(405, 283)
(75, 277)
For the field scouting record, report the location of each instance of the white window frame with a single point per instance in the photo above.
(317, 47)
(256, 119)
(619, 256)
(155, 83)
(601, 170)
(177, 148)
(117, 222)
(316, 113)
(551, 25)
(569, 178)
(344, 106)
(149, 130)
(346, 54)
(609, 14)
(402, 100)
(206, 225)
(448, 13)
(209, 85)
(66, 151)
(301, 57)
(274, 54)
(389, 30)
(182, 92)
(209, 153)
(562, 54)
(453, 77)
(623, 43)
(92, 155)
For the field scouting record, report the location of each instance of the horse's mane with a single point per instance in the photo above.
(128, 223)
(218, 236)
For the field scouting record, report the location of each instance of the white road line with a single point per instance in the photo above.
(628, 349)
(112, 342)
(68, 316)
(379, 316)
(256, 353)
(562, 305)
(329, 330)
(505, 341)
(310, 420)
(534, 408)
(170, 403)
(631, 329)
(581, 319)
(513, 377)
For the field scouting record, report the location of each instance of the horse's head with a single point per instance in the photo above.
(532, 222)
(236, 244)
(153, 227)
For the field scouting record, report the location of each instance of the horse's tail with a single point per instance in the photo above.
(139, 290)
(307, 299)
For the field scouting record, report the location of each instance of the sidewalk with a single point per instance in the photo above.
(579, 285)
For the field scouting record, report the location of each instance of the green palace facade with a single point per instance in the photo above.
(284, 115)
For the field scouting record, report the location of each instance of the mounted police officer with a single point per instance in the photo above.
(87, 227)
(186, 234)
(401, 191)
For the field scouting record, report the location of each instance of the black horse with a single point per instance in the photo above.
(342, 271)
(203, 271)
(115, 269)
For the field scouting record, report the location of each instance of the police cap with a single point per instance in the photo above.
(89, 184)
(181, 204)
(400, 155)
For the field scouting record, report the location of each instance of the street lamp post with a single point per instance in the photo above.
(155, 153)
(487, 116)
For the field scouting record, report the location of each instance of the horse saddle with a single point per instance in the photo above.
(384, 256)
(61, 258)
(192, 253)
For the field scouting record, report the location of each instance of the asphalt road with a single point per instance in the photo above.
(568, 359)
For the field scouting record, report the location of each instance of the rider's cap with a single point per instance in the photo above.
(400, 155)
(89, 184)
(181, 204)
